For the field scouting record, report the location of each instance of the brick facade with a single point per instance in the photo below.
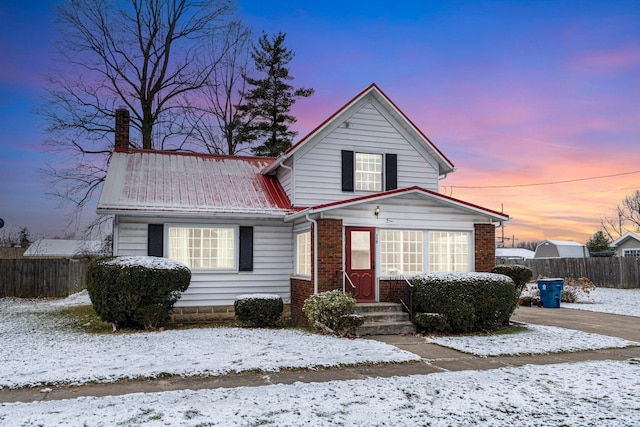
(485, 246)
(393, 291)
(205, 314)
(300, 291)
(329, 254)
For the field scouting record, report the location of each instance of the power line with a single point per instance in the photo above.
(546, 183)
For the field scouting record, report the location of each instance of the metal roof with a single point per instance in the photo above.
(161, 181)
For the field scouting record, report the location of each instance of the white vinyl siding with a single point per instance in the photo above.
(303, 254)
(449, 251)
(204, 247)
(272, 261)
(318, 169)
(401, 251)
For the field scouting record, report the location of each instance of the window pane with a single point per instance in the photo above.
(303, 254)
(401, 251)
(360, 250)
(203, 247)
(449, 251)
(368, 172)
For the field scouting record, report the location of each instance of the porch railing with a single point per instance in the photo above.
(399, 273)
(344, 282)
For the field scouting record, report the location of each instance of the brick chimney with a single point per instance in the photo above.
(122, 128)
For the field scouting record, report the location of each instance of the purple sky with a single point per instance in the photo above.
(513, 93)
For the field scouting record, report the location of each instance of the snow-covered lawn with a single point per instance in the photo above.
(615, 301)
(580, 394)
(36, 350)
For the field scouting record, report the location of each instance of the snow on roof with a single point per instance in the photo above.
(161, 181)
(514, 253)
(63, 248)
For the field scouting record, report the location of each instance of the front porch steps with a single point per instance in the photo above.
(383, 318)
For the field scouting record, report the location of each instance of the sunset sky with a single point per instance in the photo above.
(522, 96)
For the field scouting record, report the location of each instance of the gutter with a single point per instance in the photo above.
(315, 252)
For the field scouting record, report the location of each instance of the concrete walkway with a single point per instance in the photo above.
(435, 359)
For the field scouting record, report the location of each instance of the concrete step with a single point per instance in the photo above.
(385, 328)
(384, 318)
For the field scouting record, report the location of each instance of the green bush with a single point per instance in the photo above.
(136, 291)
(520, 274)
(334, 311)
(431, 322)
(468, 302)
(258, 310)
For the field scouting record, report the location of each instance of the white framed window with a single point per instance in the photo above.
(303, 254)
(631, 253)
(449, 251)
(368, 172)
(204, 247)
(401, 251)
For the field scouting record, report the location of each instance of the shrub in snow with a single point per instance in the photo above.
(577, 289)
(468, 302)
(333, 311)
(520, 274)
(136, 291)
(258, 310)
(431, 322)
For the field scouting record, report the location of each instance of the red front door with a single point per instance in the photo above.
(360, 263)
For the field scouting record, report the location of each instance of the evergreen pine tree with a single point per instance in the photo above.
(265, 113)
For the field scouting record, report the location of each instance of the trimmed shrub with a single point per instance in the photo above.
(431, 322)
(334, 311)
(467, 302)
(136, 291)
(520, 274)
(258, 310)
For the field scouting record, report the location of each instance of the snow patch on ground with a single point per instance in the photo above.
(625, 302)
(580, 394)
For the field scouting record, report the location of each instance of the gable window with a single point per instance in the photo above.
(631, 253)
(449, 251)
(401, 251)
(368, 172)
(303, 254)
(204, 247)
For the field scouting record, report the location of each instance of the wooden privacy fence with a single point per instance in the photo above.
(613, 272)
(40, 277)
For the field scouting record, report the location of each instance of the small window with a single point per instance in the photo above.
(203, 247)
(449, 251)
(631, 253)
(368, 172)
(303, 254)
(401, 251)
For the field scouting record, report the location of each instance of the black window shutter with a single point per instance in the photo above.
(155, 240)
(246, 249)
(347, 170)
(391, 170)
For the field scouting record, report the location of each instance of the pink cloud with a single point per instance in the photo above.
(607, 62)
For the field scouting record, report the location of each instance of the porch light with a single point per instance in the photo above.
(376, 211)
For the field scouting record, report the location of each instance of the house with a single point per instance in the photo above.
(64, 248)
(354, 205)
(519, 254)
(627, 245)
(561, 249)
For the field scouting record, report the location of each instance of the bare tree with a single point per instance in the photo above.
(216, 121)
(627, 217)
(145, 55)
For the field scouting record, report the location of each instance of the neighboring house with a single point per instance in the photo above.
(353, 205)
(59, 248)
(627, 245)
(513, 254)
(561, 249)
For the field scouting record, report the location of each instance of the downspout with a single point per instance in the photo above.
(315, 252)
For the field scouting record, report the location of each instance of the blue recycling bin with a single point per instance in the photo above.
(550, 292)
